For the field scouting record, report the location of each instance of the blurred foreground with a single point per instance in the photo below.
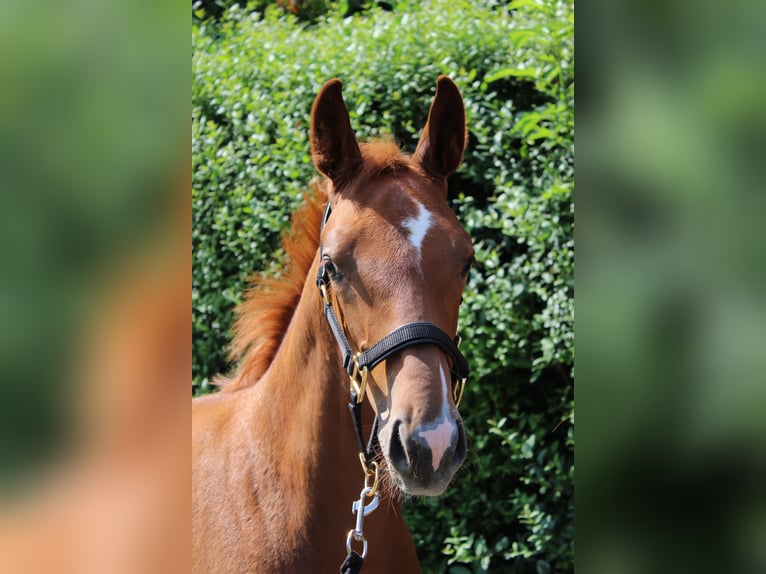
(671, 288)
(94, 288)
(116, 497)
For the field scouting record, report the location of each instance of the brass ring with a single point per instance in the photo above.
(365, 469)
(374, 487)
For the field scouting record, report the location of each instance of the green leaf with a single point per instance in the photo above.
(510, 72)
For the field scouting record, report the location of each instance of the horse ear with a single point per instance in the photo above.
(441, 144)
(333, 144)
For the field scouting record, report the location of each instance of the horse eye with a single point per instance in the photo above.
(467, 266)
(331, 268)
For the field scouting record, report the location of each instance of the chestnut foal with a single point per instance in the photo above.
(371, 291)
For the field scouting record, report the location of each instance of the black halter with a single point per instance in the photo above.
(358, 365)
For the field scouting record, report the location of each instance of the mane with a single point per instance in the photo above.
(270, 301)
(383, 156)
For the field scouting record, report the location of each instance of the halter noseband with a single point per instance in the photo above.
(358, 365)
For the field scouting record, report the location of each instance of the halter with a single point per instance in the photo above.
(357, 366)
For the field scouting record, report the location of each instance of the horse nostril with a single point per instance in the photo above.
(396, 452)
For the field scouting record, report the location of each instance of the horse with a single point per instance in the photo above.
(367, 307)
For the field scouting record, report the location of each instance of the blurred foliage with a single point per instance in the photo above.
(92, 139)
(306, 10)
(671, 289)
(255, 75)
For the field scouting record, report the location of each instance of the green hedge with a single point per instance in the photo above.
(510, 509)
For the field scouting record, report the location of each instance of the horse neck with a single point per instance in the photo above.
(303, 413)
(304, 431)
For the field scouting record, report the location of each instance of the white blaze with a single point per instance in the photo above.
(439, 438)
(417, 227)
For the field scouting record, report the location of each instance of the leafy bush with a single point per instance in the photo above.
(308, 10)
(254, 78)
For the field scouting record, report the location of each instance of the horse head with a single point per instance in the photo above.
(394, 254)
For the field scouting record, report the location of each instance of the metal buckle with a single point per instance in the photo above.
(361, 510)
(358, 380)
(457, 390)
(325, 296)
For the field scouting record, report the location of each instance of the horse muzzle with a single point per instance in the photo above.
(423, 458)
